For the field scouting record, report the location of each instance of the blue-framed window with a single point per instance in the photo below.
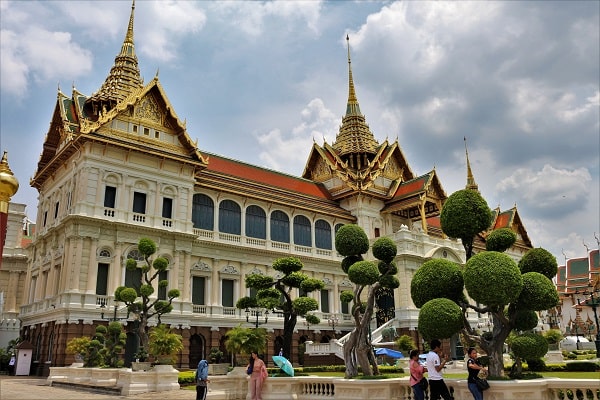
(280, 227)
(323, 234)
(302, 231)
(230, 217)
(256, 222)
(203, 212)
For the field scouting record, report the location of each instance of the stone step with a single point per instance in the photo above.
(89, 388)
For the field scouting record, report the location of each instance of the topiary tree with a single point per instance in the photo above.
(465, 214)
(510, 293)
(500, 240)
(528, 346)
(351, 242)
(114, 341)
(275, 294)
(96, 352)
(140, 299)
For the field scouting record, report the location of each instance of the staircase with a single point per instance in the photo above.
(336, 346)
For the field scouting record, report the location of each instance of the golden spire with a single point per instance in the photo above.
(352, 107)
(471, 184)
(124, 76)
(354, 136)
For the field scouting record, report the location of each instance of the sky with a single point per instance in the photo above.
(260, 81)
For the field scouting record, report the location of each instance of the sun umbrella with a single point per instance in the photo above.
(284, 364)
(382, 351)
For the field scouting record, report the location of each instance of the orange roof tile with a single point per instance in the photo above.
(265, 176)
(411, 187)
(502, 221)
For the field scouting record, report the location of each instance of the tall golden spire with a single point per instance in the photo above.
(354, 136)
(352, 107)
(471, 184)
(124, 76)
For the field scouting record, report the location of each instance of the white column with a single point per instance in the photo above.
(92, 268)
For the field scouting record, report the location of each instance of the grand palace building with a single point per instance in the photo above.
(119, 165)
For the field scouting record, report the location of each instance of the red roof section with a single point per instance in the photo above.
(434, 222)
(265, 176)
(503, 220)
(411, 187)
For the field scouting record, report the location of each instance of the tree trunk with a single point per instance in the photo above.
(495, 347)
(350, 355)
(289, 324)
(143, 335)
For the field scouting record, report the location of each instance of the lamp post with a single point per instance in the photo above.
(333, 320)
(114, 317)
(257, 312)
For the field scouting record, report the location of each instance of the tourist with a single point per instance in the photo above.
(258, 373)
(437, 386)
(202, 380)
(416, 375)
(474, 367)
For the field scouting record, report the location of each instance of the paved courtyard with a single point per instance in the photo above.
(29, 388)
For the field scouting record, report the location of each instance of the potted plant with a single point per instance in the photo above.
(164, 345)
(215, 355)
(141, 362)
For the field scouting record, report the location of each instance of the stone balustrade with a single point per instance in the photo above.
(234, 386)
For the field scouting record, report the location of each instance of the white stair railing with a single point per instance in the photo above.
(337, 346)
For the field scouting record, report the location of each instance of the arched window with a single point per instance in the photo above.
(337, 227)
(256, 222)
(280, 227)
(323, 234)
(230, 217)
(203, 211)
(302, 235)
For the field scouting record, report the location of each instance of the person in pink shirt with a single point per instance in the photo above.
(416, 375)
(258, 373)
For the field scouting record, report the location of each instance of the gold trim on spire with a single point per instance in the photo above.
(354, 136)
(471, 184)
(352, 107)
(124, 76)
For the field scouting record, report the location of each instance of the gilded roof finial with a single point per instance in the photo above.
(471, 184)
(354, 136)
(124, 76)
(8, 183)
(353, 107)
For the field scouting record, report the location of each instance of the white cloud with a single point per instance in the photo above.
(42, 55)
(549, 189)
(251, 17)
(289, 152)
(171, 21)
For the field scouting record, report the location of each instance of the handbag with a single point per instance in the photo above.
(423, 383)
(249, 370)
(482, 384)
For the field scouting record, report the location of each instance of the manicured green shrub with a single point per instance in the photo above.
(585, 366)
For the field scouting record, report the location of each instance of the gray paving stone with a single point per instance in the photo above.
(28, 388)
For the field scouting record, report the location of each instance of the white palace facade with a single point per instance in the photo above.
(119, 165)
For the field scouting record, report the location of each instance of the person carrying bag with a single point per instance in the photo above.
(202, 380)
(476, 384)
(418, 382)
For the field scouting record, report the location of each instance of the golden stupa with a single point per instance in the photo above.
(8, 184)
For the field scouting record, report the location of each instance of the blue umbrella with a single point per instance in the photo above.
(382, 351)
(284, 364)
